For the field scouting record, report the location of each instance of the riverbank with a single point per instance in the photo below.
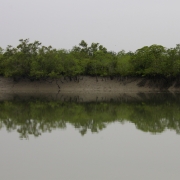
(86, 84)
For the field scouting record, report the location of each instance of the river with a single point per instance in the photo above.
(71, 137)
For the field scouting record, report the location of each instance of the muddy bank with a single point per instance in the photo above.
(86, 89)
(88, 85)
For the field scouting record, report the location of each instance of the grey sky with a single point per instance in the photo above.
(116, 24)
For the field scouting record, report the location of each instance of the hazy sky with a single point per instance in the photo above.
(116, 24)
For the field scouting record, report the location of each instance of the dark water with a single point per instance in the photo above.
(72, 138)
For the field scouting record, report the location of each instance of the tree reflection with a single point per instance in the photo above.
(36, 116)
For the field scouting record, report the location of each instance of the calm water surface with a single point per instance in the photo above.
(69, 138)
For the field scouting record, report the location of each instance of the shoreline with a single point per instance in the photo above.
(90, 97)
(87, 84)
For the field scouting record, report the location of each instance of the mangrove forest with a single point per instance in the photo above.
(35, 61)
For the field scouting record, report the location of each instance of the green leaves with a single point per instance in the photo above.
(149, 61)
(34, 61)
(124, 67)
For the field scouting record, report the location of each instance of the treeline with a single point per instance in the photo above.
(34, 61)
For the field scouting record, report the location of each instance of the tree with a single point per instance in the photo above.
(149, 61)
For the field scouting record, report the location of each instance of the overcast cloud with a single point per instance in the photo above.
(116, 24)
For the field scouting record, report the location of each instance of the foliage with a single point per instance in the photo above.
(34, 61)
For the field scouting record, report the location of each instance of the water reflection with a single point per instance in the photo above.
(34, 115)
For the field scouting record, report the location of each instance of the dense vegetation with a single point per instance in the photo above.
(34, 61)
(36, 116)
